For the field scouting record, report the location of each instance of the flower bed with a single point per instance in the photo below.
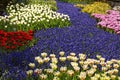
(23, 17)
(14, 40)
(73, 67)
(96, 7)
(82, 36)
(110, 21)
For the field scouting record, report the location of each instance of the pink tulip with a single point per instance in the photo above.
(111, 20)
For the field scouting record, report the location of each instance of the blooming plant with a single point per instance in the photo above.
(117, 8)
(23, 17)
(14, 40)
(110, 21)
(73, 67)
(51, 3)
(96, 7)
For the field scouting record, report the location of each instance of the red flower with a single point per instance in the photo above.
(12, 40)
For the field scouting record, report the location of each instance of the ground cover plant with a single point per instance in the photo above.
(82, 36)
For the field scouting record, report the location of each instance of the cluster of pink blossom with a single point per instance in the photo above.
(111, 20)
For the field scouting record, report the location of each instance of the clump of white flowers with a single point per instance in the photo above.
(117, 8)
(31, 17)
(74, 67)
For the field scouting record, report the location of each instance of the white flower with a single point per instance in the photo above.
(32, 65)
(74, 64)
(47, 20)
(62, 59)
(29, 72)
(76, 68)
(61, 53)
(115, 66)
(94, 78)
(108, 66)
(104, 69)
(72, 54)
(113, 60)
(81, 62)
(73, 58)
(56, 73)
(70, 72)
(94, 66)
(40, 61)
(49, 71)
(110, 72)
(102, 59)
(54, 60)
(69, 57)
(105, 78)
(102, 63)
(113, 77)
(56, 78)
(85, 67)
(37, 58)
(97, 75)
(98, 56)
(6, 26)
(118, 78)
(53, 66)
(52, 55)
(46, 59)
(43, 76)
(115, 71)
(90, 72)
(37, 71)
(63, 20)
(63, 69)
(82, 56)
(43, 54)
(82, 75)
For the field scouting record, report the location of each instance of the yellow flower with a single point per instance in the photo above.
(29, 72)
(53, 66)
(56, 73)
(70, 72)
(32, 65)
(43, 54)
(62, 59)
(61, 53)
(43, 76)
(82, 75)
(96, 7)
(63, 69)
